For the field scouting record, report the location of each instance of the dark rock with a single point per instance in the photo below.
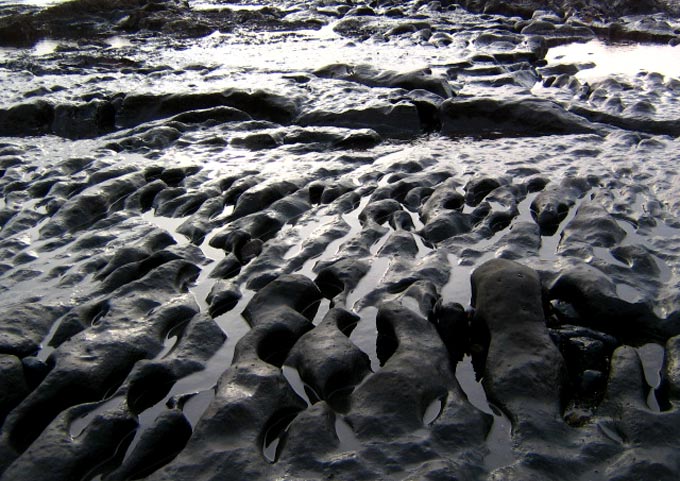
(148, 384)
(144, 198)
(341, 276)
(196, 344)
(633, 123)
(272, 339)
(398, 189)
(135, 270)
(420, 297)
(137, 109)
(258, 141)
(552, 205)
(227, 268)
(368, 75)
(446, 225)
(13, 385)
(311, 438)
(33, 118)
(24, 326)
(255, 420)
(478, 188)
(414, 198)
(76, 321)
(174, 176)
(671, 369)
(222, 298)
(257, 199)
(249, 251)
(594, 226)
(550, 208)
(400, 120)
(94, 363)
(262, 225)
(594, 297)
(443, 200)
(453, 326)
(121, 257)
(401, 220)
(524, 371)
(379, 211)
(524, 117)
(157, 446)
(147, 138)
(523, 240)
(20, 222)
(85, 209)
(66, 457)
(181, 205)
(392, 401)
(293, 291)
(359, 140)
(83, 121)
(401, 244)
(327, 360)
(35, 371)
(214, 115)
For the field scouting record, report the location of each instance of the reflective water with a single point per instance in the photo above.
(627, 59)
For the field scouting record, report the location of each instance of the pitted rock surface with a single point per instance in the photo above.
(345, 240)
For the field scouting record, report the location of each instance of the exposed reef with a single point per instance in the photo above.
(335, 239)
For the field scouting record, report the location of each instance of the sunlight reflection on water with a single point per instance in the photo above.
(621, 59)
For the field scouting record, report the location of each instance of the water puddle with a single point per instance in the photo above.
(375, 248)
(458, 288)
(626, 59)
(37, 3)
(45, 348)
(433, 411)
(303, 50)
(78, 425)
(202, 285)
(550, 244)
(201, 383)
(652, 356)
(304, 232)
(298, 385)
(498, 439)
(465, 374)
(168, 224)
(201, 6)
(610, 432)
(379, 267)
(365, 335)
(352, 220)
(345, 433)
(629, 293)
(171, 339)
(195, 406)
(273, 437)
(118, 42)
(415, 218)
(47, 46)
(322, 310)
(423, 249)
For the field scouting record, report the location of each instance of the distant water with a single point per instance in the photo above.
(618, 59)
(39, 3)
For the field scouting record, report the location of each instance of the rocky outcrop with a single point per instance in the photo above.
(493, 117)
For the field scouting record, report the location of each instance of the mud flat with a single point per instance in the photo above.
(350, 240)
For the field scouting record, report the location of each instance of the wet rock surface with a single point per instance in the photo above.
(369, 241)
